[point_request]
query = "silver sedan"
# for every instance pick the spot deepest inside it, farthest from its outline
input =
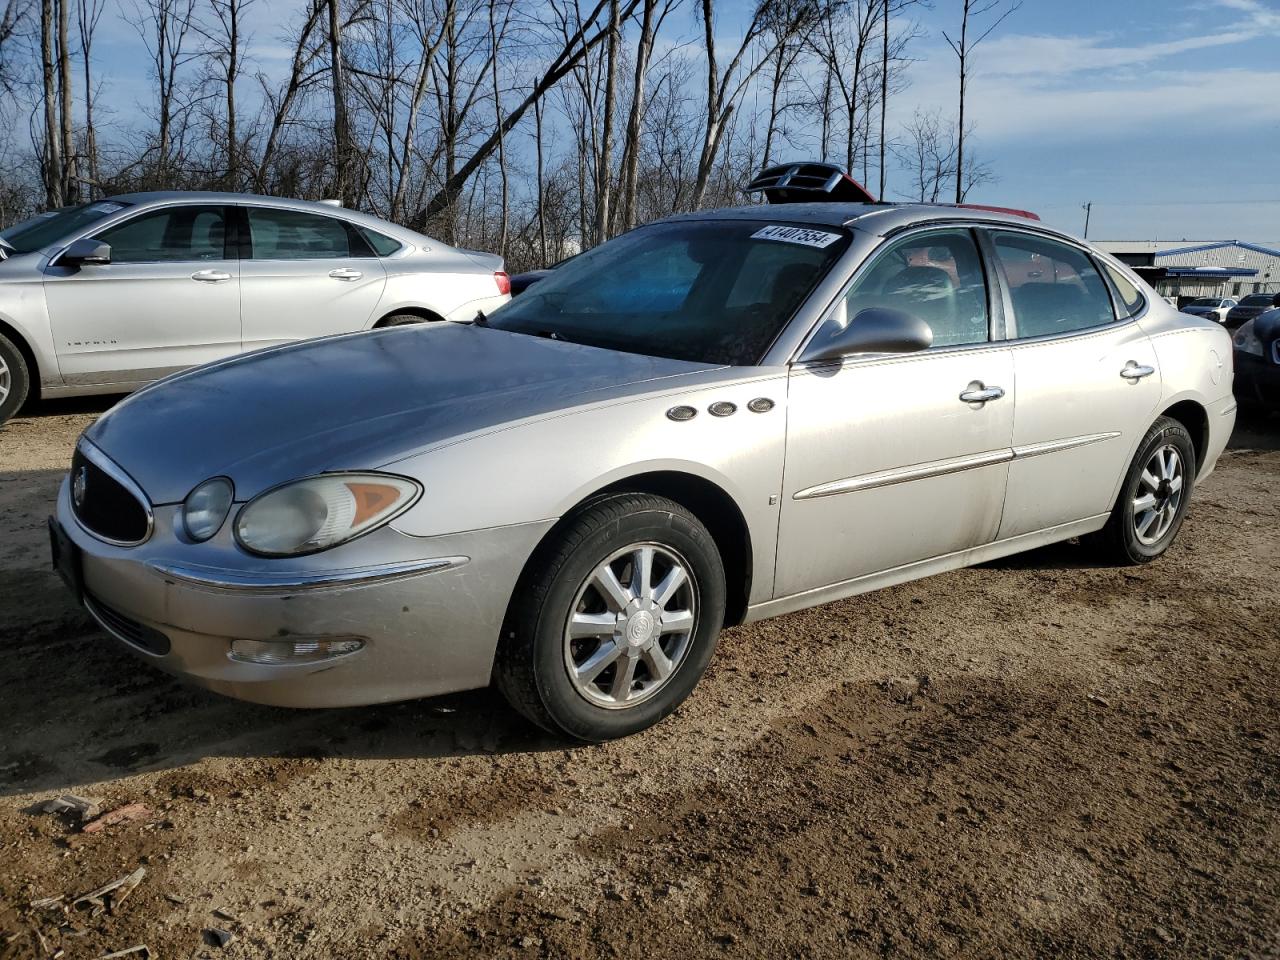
(717, 418)
(108, 296)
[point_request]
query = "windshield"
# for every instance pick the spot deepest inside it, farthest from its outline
(1205, 302)
(709, 291)
(1257, 300)
(50, 227)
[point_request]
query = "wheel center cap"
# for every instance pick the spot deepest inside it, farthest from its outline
(640, 628)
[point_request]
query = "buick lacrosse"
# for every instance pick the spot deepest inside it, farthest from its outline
(716, 418)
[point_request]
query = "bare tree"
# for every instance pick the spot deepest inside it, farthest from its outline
(226, 43)
(88, 15)
(13, 15)
(282, 103)
(998, 11)
(164, 26)
(342, 146)
(52, 166)
(928, 154)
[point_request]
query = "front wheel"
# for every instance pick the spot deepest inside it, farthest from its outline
(615, 620)
(1153, 500)
(14, 379)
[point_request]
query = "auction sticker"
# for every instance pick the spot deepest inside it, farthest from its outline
(802, 235)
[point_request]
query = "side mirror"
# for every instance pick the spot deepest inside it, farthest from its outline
(85, 250)
(873, 330)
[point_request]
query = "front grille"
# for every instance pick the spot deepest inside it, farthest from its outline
(126, 629)
(104, 505)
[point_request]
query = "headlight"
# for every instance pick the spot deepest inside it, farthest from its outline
(206, 507)
(321, 512)
(1246, 341)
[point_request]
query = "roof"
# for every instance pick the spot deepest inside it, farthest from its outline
(1207, 271)
(880, 218)
(1217, 245)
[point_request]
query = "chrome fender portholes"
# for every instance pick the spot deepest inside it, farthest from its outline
(760, 405)
(681, 413)
(722, 408)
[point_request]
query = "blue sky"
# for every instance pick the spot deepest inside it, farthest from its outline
(1164, 113)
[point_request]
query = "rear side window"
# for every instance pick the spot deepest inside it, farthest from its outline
(382, 246)
(174, 234)
(1055, 288)
(936, 276)
(1130, 296)
(290, 235)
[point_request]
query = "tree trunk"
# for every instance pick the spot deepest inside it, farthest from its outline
(542, 213)
(70, 183)
(884, 95)
(496, 40)
(52, 147)
(604, 170)
(635, 119)
(233, 69)
(341, 129)
(87, 21)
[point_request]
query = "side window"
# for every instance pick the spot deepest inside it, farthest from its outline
(175, 234)
(1054, 287)
(937, 276)
(382, 246)
(290, 235)
(1130, 296)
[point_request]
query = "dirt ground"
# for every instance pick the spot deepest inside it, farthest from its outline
(1039, 756)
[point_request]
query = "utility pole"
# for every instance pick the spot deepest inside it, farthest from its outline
(1088, 209)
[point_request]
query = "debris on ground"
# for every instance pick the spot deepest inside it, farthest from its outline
(79, 808)
(111, 895)
(217, 937)
(130, 811)
(142, 952)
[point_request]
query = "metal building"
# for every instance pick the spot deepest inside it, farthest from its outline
(1225, 268)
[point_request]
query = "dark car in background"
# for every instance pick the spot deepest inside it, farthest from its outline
(1249, 307)
(1257, 360)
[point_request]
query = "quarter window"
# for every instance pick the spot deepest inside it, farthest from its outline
(382, 246)
(289, 235)
(936, 276)
(1130, 297)
(175, 234)
(1055, 288)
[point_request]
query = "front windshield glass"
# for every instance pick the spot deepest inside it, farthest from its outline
(1257, 300)
(47, 228)
(717, 291)
(1205, 302)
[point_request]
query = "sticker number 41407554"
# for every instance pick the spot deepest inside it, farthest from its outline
(810, 238)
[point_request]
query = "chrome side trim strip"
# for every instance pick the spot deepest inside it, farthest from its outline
(265, 582)
(919, 471)
(1053, 446)
(104, 463)
(940, 468)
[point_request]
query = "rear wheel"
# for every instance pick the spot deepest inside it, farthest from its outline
(1154, 498)
(615, 620)
(15, 380)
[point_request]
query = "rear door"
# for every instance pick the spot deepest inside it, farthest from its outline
(1088, 382)
(304, 275)
(169, 299)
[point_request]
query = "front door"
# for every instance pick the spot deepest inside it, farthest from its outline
(1088, 382)
(169, 299)
(896, 459)
(306, 275)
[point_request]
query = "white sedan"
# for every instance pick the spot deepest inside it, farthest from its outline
(108, 296)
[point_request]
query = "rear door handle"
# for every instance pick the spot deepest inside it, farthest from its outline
(345, 273)
(1134, 371)
(978, 392)
(211, 276)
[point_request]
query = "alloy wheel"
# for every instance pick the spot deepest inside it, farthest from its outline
(631, 625)
(1159, 494)
(6, 381)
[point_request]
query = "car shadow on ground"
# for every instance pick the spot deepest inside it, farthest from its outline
(69, 406)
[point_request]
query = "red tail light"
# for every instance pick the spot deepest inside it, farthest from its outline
(503, 281)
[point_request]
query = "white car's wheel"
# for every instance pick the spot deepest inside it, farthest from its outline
(615, 620)
(14, 379)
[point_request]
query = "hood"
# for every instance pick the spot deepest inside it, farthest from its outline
(353, 402)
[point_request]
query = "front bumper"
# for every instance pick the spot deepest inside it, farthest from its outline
(1258, 378)
(428, 610)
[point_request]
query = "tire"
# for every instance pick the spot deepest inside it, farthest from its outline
(401, 320)
(15, 379)
(1134, 535)
(644, 636)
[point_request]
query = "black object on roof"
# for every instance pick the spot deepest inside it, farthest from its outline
(807, 182)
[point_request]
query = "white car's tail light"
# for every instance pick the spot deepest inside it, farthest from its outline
(503, 281)
(310, 515)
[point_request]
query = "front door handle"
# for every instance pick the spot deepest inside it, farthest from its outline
(211, 276)
(345, 273)
(979, 393)
(1134, 371)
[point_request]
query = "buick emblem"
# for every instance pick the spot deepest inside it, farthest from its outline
(78, 483)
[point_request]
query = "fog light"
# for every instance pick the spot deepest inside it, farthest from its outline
(293, 650)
